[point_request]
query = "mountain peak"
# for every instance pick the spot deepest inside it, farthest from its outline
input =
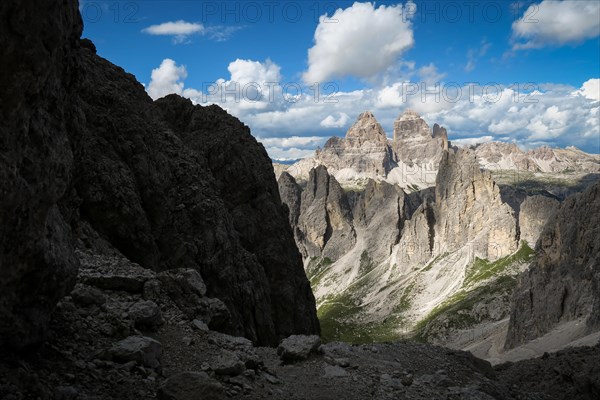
(366, 115)
(409, 115)
(366, 128)
(410, 124)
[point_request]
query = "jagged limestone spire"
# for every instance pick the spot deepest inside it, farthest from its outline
(366, 128)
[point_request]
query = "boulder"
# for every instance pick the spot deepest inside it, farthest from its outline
(298, 347)
(200, 325)
(141, 349)
(87, 296)
(145, 314)
(229, 363)
(182, 282)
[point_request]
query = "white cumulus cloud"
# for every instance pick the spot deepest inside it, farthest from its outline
(252, 85)
(590, 89)
(551, 114)
(167, 79)
(331, 122)
(430, 74)
(558, 23)
(359, 41)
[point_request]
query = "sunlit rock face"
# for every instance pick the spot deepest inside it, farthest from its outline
(414, 141)
(364, 151)
(469, 208)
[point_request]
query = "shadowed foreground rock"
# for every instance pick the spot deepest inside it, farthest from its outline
(37, 73)
(88, 160)
(96, 352)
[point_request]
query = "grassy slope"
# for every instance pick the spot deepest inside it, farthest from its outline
(343, 318)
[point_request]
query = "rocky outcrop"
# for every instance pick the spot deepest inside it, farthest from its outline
(363, 153)
(379, 214)
(563, 282)
(409, 125)
(414, 142)
(418, 237)
(87, 154)
(291, 195)
(38, 48)
(441, 133)
(565, 160)
(411, 161)
(325, 217)
(364, 150)
(469, 208)
(534, 213)
(500, 155)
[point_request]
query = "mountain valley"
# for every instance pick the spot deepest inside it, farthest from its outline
(394, 257)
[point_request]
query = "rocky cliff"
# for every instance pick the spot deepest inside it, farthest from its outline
(410, 160)
(364, 152)
(39, 42)
(381, 261)
(414, 141)
(325, 217)
(562, 283)
(90, 161)
(534, 213)
(470, 209)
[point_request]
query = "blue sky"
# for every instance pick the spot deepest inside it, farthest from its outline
(487, 70)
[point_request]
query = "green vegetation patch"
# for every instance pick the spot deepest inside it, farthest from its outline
(343, 319)
(366, 264)
(340, 321)
(316, 269)
(406, 299)
(343, 316)
(483, 269)
(457, 309)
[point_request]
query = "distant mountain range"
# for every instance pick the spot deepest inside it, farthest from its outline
(412, 158)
